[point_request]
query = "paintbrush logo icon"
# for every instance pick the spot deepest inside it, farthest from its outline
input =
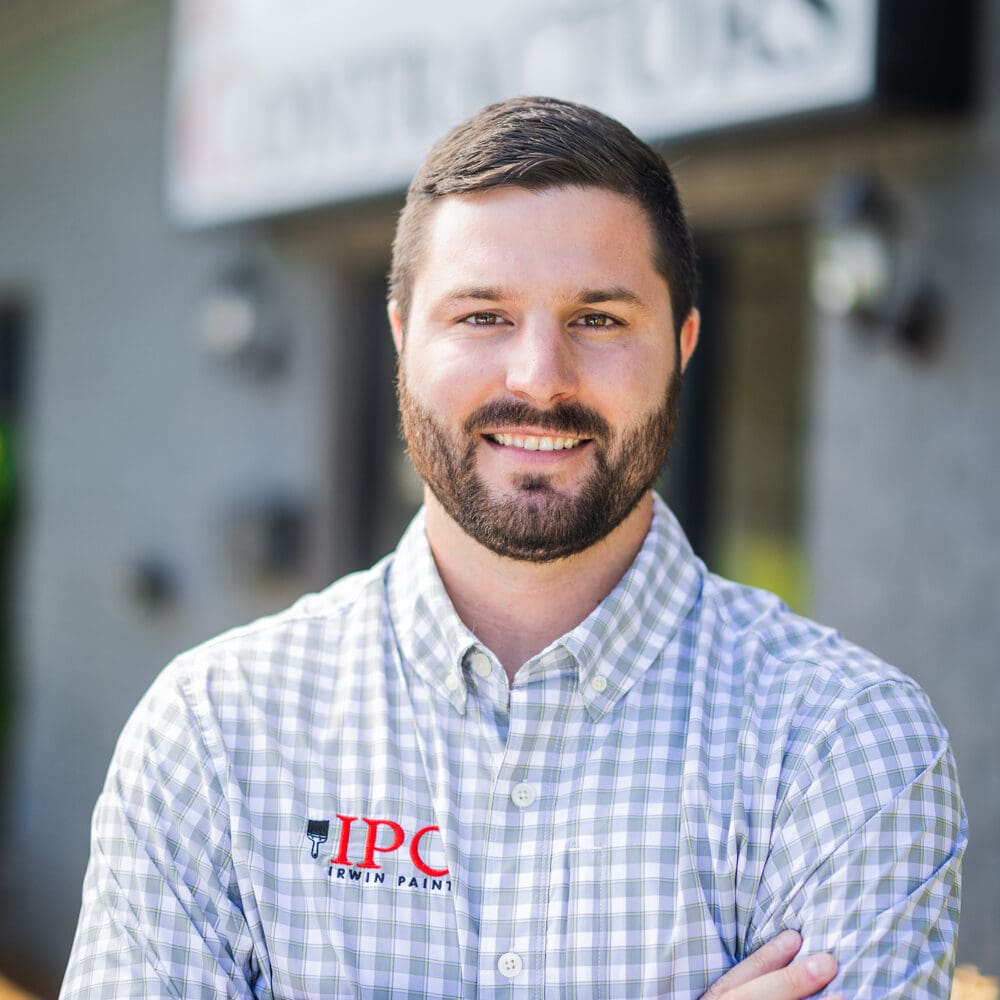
(317, 830)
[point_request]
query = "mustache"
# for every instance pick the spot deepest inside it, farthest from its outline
(574, 419)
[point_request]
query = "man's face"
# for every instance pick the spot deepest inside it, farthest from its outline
(538, 378)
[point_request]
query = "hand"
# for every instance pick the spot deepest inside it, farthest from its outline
(767, 974)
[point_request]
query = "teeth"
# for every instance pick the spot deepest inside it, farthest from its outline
(530, 443)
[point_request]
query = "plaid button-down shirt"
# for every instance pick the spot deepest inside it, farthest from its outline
(348, 800)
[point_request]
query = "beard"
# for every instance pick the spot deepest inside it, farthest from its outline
(537, 522)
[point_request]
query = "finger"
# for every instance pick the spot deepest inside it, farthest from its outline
(776, 954)
(794, 982)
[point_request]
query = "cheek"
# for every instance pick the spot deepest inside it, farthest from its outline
(450, 380)
(635, 386)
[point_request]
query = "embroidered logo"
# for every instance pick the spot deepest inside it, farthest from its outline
(317, 830)
(381, 837)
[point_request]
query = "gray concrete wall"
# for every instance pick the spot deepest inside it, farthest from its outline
(904, 460)
(136, 443)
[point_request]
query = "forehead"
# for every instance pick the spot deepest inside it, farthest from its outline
(518, 237)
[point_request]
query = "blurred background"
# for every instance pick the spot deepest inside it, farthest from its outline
(197, 418)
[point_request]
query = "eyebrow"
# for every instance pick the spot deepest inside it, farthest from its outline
(483, 292)
(586, 296)
(616, 293)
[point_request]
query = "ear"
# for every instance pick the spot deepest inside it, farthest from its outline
(396, 322)
(689, 336)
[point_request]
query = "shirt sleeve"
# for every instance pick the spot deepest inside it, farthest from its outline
(866, 850)
(162, 914)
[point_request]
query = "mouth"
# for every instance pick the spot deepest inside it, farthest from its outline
(536, 442)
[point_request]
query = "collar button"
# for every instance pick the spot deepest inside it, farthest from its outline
(481, 664)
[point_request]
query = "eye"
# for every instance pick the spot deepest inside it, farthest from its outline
(598, 321)
(482, 319)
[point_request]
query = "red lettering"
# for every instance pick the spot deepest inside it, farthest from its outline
(370, 848)
(415, 854)
(345, 837)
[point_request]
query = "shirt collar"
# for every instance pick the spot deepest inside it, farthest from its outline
(616, 643)
(611, 648)
(431, 637)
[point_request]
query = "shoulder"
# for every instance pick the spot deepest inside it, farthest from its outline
(827, 738)
(354, 596)
(768, 645)
(811, 696)
(275, 673)
(301, 632)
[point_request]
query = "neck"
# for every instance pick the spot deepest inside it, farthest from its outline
(516, 608)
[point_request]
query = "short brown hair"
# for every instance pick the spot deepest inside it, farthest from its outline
(538, 143)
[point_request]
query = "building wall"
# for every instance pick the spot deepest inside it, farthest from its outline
(905, 486)
(137, 444)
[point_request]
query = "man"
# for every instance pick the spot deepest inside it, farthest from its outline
(539, 750)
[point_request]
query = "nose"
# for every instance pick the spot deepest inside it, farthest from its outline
(541, 367)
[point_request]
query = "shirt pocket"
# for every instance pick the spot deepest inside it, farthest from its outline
(577, 941)
(620, 925)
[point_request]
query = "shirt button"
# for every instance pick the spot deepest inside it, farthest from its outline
(452, 682)
(522, 795)
(481, 665)
(599, 683)
(510, 964)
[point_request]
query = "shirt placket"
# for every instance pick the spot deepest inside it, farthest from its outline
(518, 844)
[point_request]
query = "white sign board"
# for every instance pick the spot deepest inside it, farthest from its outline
(282, 104)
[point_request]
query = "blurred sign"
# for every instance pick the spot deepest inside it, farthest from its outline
(281, 104)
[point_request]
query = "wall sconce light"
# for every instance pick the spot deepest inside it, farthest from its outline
(237, 325)
(866, 270)
(266, 536)
(152, 583)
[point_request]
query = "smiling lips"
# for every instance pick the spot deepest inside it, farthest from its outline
(532, 442)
